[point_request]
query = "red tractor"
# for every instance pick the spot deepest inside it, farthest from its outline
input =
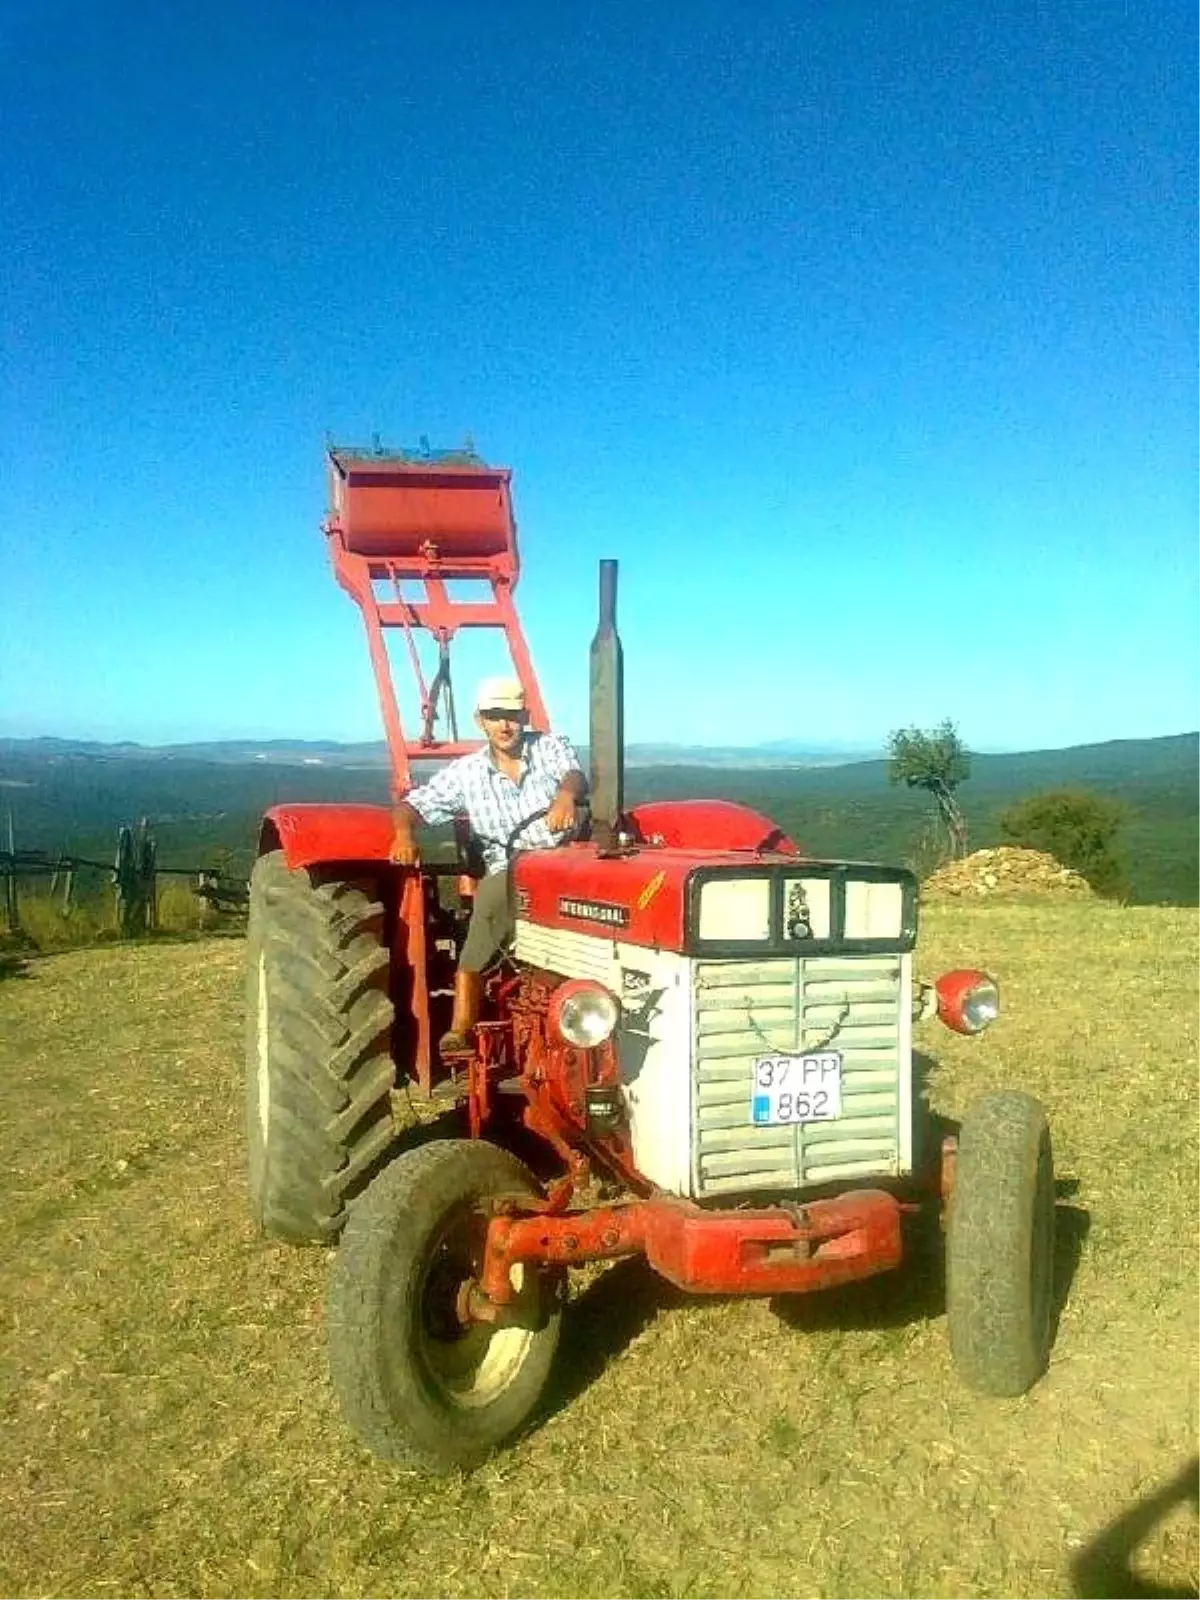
(699, 1040)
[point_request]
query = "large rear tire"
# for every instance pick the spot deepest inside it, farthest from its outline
(1000, 1245)
(416, 1383)
(319, 1070)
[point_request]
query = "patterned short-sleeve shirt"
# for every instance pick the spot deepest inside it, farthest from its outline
(493, 802)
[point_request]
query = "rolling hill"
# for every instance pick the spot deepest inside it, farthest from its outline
(67, 798)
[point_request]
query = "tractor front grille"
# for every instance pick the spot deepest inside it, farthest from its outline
(858, 1005)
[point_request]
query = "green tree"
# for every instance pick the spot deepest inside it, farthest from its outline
(937, 761)
(1077, 828)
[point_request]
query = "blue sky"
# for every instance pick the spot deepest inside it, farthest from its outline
(862, 333)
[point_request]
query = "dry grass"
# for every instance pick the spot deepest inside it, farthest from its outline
(48, 925)
(169, 1429)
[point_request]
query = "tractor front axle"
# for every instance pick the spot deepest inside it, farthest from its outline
(782, 1249)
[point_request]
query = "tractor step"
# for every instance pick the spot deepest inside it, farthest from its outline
(456, 1088)
(449, 1089)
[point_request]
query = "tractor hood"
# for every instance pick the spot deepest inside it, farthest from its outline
(718, 903)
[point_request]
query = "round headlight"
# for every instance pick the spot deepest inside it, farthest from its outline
(967, 1000)
(583, 1013)
(981, 1005)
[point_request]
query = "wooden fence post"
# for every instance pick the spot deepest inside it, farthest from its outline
(134, 874)
(12, 909)
(64, 868)
(147, 864)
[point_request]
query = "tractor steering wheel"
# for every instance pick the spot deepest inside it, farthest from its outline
(582, 816)
(536, 816)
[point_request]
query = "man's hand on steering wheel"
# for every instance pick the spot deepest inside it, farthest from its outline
(563, 813)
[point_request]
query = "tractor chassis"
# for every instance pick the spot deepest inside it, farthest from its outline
(790, 1247)
(783, 1249)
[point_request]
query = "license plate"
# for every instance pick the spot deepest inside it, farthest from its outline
(797, 1088)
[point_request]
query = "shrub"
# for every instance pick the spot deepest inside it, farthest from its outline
(1077, 828)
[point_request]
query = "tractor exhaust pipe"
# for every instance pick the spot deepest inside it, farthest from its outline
(606, 733)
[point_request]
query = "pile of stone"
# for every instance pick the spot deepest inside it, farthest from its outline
(1005, 873)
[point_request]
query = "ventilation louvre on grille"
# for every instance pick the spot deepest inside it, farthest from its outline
(745, 1009)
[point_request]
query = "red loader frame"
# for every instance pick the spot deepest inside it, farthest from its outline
(398, 519)
(401, 522)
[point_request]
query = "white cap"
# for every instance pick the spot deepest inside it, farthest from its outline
(500, 694)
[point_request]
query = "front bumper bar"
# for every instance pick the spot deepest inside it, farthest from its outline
(783, 1249)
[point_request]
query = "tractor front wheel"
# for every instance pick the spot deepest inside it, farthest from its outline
(1000, 1245)
(417, 1381)
(319, 1070)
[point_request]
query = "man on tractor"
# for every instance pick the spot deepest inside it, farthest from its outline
(521, 783)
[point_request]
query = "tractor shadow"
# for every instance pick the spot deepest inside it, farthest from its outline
(1103, 1570)
(1071, 1225)
(916, 1290)
(601, 1323)
(14, 964)
(623, 1299)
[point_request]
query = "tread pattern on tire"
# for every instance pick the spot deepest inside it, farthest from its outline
(999, 1334)
(330, 1069)
(370, 1259)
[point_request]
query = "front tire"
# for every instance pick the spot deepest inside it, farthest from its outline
(319, 1070)
(1000, 1245)
(416, 1384)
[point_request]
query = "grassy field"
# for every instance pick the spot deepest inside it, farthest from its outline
(93, 918)
(169, 1430)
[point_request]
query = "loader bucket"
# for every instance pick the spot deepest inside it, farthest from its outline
(404, 528)
(396, 509)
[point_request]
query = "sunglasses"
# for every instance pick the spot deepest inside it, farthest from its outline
(495, 714)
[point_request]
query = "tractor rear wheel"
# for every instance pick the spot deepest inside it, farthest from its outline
(417, 1383)
(318, 1062)
(1000, 1245)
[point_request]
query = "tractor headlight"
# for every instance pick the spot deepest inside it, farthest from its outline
(583, 1013)
(967, 1000)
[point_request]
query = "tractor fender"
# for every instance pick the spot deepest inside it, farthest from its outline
(709, 825)
(311, 834)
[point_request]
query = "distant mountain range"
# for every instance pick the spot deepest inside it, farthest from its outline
(206, 800)
(782, 753)
(847, 767)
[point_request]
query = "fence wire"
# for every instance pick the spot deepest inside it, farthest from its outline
(134, 876)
